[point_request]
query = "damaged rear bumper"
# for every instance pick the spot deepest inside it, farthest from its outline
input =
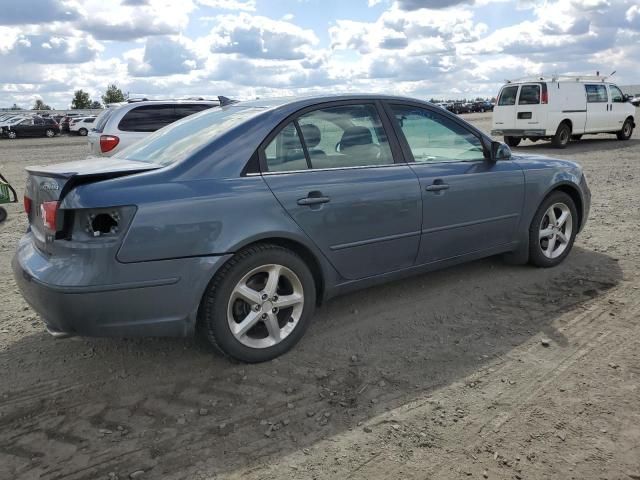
(160, 299)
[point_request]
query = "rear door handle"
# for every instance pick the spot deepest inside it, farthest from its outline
(436, 187)
(313, 198)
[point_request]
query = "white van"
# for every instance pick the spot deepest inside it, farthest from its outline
(561, 109)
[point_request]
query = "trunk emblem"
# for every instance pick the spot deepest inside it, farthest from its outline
(48, 186)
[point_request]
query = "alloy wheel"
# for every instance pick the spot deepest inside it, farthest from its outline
(555, 230)
(265, 306)
(50, 133)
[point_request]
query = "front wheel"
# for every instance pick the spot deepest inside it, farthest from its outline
(259, 304)
(512, 141)
(11, 134)
(553, 230)
(627, 130)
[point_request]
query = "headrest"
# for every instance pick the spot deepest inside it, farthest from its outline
(311, 134)
(353, 136)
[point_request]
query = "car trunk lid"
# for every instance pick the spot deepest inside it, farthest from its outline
(47, 186)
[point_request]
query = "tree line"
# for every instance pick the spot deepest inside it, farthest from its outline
(82, 100)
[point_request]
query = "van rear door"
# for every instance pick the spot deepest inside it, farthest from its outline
(504, 113)
(529, 109)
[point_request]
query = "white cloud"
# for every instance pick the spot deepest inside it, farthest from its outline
(239, 5)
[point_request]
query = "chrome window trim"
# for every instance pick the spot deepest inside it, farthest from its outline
(284, 172)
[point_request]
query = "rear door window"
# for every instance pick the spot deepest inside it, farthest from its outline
(508, 96)
(147, 118)
(596, 94)
(529, 95)
(89, 120)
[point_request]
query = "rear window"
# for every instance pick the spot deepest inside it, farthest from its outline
(529, 95)
(102, 119)
(181, 139)
(89, 120)
(508, 96)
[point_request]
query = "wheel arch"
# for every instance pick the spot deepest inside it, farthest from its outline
(573, 191)
(568, 122)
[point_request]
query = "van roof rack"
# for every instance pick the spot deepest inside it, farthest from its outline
(562, 78)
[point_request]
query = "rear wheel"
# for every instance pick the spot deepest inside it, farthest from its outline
(259, 304)
(49, 132)
(562, 136)
(83, 132)
(553, 230)
(512, 141)
(627, 130)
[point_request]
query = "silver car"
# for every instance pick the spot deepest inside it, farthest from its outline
(124, 124)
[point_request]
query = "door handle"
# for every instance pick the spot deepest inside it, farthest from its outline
(436, 187)
(313, 198)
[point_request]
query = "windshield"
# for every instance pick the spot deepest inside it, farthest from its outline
(179, 139)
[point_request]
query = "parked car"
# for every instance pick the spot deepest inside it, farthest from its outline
(238, 221)
(66, 121)
(124, 124)
(11, 119)
(459, 107)
(482, 107)
(561, 110)
(32, 127)
(81, 125)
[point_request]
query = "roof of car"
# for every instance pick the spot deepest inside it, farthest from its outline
(302, 101)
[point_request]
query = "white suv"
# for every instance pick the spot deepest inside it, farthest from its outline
(123, 124)
(561, 109)
(81, 125)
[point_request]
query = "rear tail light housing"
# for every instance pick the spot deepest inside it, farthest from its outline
(108, 143)
(48, 212)
(27, 205)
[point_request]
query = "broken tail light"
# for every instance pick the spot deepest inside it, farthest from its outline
(48, 212)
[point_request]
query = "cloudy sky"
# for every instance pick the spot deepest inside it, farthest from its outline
(248, 48)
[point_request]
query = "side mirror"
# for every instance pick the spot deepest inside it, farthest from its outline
(625, 97)
(500, 151)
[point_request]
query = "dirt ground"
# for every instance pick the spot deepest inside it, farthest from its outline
(434, 377)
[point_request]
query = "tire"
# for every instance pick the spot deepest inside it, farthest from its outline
(626, 131)
(575, 138)
(11, 134)
(49, 133)
(3, 214)
(542, 253)
(562, 136)
(83, 132)
(512, 141)
(222, 308)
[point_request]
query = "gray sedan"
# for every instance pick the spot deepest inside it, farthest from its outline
(239, 221)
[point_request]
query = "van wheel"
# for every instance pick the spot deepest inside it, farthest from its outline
(259, 304)
(575, 138)
(627, 130)
(562, 136)
(512, 141)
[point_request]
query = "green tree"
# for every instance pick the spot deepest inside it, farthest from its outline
(96, 104)
(80, 100)
(113, 95)
(40, 105)
(15, 107)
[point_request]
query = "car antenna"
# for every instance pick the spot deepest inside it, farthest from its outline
(224, 101)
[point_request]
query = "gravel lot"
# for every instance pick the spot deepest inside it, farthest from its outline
(438, 376)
